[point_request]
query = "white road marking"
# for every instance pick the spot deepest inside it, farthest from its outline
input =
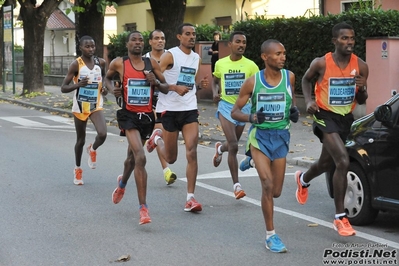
(289, 212)
(22, 121)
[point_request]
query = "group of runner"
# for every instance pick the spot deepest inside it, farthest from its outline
(157, 94)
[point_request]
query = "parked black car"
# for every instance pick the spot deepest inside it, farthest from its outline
(373, 177)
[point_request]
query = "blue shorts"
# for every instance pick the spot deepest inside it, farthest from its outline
(224, 108)
(274, 143)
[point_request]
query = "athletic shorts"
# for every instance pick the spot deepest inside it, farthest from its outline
(158, 118)
(224, 108)
(329, 122)
(175, 120)
(143, 122)
(274, 143)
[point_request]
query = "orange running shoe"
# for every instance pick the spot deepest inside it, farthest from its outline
(301, 191)
(343, 227)
(192, 206)
(217, 158)
(77, 179)
(144, 215)
(239, 193)
(118, 193)
(150, 143)
(92, 157)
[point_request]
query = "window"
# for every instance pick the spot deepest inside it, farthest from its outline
(130, 26)
(356, 5)
(224, 22)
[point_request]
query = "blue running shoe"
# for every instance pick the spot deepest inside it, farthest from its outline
(245, 163)
(274, 244)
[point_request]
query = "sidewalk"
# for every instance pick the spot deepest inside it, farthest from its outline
(304, 146)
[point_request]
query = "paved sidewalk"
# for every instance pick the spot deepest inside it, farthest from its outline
(304, 146)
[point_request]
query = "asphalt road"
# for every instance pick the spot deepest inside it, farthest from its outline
(46, 220)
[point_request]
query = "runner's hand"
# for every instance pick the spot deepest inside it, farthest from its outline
(294, 114)
(258, 118)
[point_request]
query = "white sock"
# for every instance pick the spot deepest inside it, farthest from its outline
(165, 169)
(339, 215)
(156, 139)
(189, 196)
(252, 163)
(77, 167)
(220, 149)
(236, 185)
(303, 183)
(270, 233)
(91, 148)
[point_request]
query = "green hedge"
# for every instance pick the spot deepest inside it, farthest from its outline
(307, 38)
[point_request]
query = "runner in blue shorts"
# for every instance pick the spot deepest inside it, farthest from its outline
(271, 91)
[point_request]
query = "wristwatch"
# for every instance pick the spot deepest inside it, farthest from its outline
(157, 82)
(364, 89)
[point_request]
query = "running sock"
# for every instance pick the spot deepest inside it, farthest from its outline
(270, 233)
(220, 149)
(77, 167)
(236, 185)
(156, 139)
(252, 163)
(340, 215)
(121, 184)
(303, 183)
(165, 169)
(91, 148)
(189, 196)
(141, 206)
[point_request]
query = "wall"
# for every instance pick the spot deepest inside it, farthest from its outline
(334, 6)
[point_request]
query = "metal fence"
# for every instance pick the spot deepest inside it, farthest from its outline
(55, 65)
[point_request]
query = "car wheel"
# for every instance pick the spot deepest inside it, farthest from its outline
(358, 197)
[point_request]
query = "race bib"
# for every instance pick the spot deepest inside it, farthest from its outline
(273, 105)
(186, 77)
(88, 93)
(138, 92)
(341, 91)
(233, 82)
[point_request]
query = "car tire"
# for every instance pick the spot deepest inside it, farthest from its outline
(358, 197)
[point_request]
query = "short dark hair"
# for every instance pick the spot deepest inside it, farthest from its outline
(217, 33)
(130, 34)
(180, 28)
(85, 38)
(152, 33)
(235, 33)
(340, 26)
(266, 44)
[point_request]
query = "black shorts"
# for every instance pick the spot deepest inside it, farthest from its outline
(175, 120)
(158, 118)
(329, 122)
(143, 122)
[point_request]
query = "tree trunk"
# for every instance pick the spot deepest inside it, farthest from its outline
(166, 22)
(90, 22)
(34, 20)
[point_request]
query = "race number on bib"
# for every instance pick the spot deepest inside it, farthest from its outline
(186, 77)
(138, 92)
(88, 93)
(233, 82)
(273, 105)
(341, 91)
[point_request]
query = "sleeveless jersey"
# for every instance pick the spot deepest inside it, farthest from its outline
(232, 75)
(183, 72)
(88, 99)
(137, 91)
(276, 101)
(336, 92)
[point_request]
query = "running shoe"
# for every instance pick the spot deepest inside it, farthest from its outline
(343, 227)
(150, 143)
(92, 157)
(301, 191)
(245, 163)
(274, 244)
(239, 193)
(170, 177)
(192, 206)
(217, 158)
(144, 215)
(118, 193)
(77, 179)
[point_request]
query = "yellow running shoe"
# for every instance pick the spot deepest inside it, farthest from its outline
(170, 177)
